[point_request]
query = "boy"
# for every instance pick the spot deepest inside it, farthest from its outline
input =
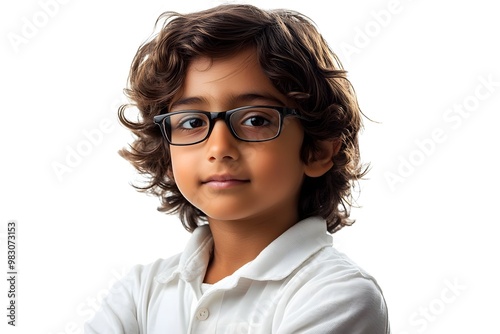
(248, 130)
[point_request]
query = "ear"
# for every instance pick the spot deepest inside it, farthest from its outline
(321, 161)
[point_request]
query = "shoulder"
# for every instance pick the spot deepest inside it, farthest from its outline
(163, 270)
(340, 295)
(333, 271)
(143, 274)
(122, 309)
(143, 278)
(336, 265)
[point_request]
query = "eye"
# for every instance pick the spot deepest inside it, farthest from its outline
(256, 120)
(190, 122)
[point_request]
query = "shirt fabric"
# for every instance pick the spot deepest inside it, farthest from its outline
(297, 284)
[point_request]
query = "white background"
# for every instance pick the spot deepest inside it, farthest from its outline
(429, 236)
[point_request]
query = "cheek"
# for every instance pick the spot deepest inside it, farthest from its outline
(286, 162)
(181, 168)
(175, 162)
(278, 168)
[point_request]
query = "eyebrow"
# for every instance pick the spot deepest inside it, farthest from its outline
(238, 99)
(187, 101)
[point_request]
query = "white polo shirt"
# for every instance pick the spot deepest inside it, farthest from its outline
(297, 284)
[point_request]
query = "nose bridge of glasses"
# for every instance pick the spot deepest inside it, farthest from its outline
(222, 116)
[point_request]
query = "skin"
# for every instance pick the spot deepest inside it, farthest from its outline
(249, 191)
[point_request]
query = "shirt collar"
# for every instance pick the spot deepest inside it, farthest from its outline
(194, 260)
(287, 252)
(278, 260)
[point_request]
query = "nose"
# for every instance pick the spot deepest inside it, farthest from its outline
(221, 144)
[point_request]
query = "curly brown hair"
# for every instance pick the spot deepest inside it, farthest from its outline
(298, 62)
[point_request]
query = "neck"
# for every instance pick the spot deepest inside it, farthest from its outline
(239, 242)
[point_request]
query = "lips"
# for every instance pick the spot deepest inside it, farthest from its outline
(224, 181)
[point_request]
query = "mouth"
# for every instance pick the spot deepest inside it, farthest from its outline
(224, 181)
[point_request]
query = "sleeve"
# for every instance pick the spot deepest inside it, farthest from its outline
(118, 311)
(352, 305)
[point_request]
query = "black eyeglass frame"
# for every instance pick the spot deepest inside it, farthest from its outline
(161, 119)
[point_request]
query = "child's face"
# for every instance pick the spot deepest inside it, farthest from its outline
(224, 177)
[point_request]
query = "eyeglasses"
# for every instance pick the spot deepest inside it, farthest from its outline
(250, 124)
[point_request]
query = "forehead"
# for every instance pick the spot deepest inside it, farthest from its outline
(227, 82)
